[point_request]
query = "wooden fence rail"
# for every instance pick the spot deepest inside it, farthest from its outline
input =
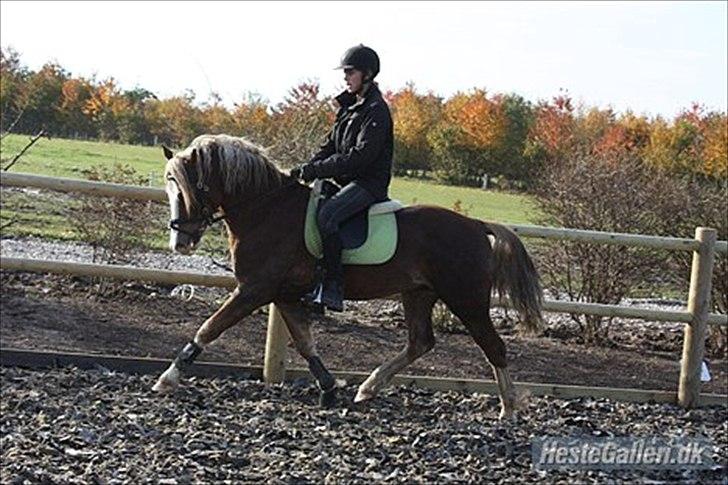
(11, 179)
(696, 318)
(225, 281)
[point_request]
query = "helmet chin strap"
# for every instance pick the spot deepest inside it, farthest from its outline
(365, 85)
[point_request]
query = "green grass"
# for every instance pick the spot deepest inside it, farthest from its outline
(481, 204)
(35, 215)
(40, 215)
(69, 158)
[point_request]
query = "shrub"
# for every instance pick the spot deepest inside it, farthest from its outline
(704, 202)
(611, 192)
(301, 124)
(115, 227)
(444, 321)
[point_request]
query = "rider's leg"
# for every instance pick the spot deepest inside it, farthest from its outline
(332, 294)
(349, 201)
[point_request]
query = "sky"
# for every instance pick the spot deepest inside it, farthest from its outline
(654, 58)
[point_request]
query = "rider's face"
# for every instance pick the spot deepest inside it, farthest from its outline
(353, 78)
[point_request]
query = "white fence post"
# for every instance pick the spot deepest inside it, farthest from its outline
(276, 342)
(688, 393)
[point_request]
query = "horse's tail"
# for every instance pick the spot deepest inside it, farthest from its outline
(515, 275)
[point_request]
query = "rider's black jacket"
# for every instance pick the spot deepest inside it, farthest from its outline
(359, 147)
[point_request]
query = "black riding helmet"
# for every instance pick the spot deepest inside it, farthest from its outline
(362, 58)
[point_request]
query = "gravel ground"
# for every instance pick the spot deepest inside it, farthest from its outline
(82, 253)
(72, 426)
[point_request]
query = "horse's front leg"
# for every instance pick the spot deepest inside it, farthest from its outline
(238, 306)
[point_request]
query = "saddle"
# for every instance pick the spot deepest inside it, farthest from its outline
(370, 237)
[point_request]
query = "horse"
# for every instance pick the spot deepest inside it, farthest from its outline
(440, 255)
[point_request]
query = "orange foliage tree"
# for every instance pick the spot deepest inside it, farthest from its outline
(252, 119)
(215, 117)
(414, 115)
(105, 107)
(715, 147)
(694, 143)
(75, 94)
(553, 133)
(175, 121)
(466, 141)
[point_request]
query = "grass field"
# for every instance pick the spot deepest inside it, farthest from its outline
(40, 214)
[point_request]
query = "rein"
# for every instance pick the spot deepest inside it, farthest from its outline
(208, 217)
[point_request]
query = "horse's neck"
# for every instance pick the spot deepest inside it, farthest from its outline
(277, 208)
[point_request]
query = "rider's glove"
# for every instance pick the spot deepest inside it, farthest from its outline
(305, 172)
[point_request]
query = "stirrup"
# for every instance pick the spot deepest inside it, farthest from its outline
(312, 300)
(331, 303)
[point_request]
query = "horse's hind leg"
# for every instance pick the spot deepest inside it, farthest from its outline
(474, 313)
(418, 316)
(296, 317)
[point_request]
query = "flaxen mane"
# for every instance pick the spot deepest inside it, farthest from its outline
(244, 167)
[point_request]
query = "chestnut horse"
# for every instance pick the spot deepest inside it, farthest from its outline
(440, 254)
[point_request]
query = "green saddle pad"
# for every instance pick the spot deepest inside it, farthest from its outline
(381, 241)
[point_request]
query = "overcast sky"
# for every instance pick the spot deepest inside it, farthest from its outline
(652, 57)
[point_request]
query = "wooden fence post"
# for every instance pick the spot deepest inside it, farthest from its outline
(701, 275)
(276, 343)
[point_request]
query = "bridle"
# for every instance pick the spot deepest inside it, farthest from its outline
(205, 219)
(208, 216)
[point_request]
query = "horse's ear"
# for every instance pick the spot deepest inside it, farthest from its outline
(168, 154)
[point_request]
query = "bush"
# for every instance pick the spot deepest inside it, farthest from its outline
(611, 192)
(444, 321)
(112, 226)
(704, 202)
(300, 125)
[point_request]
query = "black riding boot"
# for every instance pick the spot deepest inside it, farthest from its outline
(332, 294)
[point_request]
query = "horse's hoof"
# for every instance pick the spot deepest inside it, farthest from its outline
(168, 381)
(163, 387)
(363, 395)
(507, 415)
(327, 399)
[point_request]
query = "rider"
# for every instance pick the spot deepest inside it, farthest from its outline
(357, 154)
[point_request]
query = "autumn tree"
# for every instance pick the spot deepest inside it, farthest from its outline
(76, 94)
(13, 78)
(414, 116)
(215, 117)
(300, 123)
(175, 121)
(553, 133)
(40, 99)
(467, 140)
(715, 147)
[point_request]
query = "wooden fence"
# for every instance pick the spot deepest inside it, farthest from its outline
(696, 318)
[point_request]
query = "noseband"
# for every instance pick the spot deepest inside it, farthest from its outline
(206, 219)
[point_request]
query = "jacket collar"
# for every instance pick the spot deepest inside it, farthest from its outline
(348, 100)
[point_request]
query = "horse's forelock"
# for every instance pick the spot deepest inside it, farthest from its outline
(176, 169)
